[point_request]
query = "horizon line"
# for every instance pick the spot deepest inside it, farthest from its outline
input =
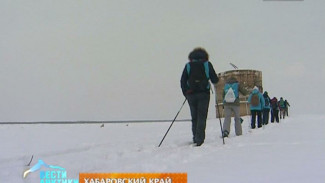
(88, 122)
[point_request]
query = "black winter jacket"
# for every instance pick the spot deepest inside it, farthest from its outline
(184, 79)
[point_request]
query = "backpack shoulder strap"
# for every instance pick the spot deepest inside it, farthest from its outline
(207, 69)
(188, 68)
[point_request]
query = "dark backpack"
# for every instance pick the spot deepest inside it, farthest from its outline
(255, 100)
(198, 76)
(274, 104)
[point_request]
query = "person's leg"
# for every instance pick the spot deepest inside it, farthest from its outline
(264, 118)
(277, 116)
(283, 113)
(238, 127)
(193, 103)
(227, 121)
(272, 115)
(259, 118)
(253, 124)
(203, 106)
(267, 116)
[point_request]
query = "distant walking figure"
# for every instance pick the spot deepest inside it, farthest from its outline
(274, 110)
(287, 105)
(267, 108)
(282, 108)
(257, 103)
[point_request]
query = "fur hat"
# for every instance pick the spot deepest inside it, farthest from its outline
(198, 54)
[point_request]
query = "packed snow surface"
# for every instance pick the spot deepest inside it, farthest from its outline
(290, 151)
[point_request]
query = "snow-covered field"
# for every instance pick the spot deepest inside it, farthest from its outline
(291, 151)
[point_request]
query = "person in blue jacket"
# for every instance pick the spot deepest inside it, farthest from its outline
(267, 108)
(257, 103)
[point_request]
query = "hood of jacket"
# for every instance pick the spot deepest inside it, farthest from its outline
(265, 95)
(232, 80)
(255, 91)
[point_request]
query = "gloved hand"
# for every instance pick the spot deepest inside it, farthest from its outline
(186, 92)
(189, 92)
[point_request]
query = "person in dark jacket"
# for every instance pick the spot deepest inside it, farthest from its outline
(197, 91)
(274, 110)
(267, 107)
(287, 105)
(282, 108)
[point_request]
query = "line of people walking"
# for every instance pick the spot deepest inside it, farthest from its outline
(268, 106)
(195, 84)
(261, 106)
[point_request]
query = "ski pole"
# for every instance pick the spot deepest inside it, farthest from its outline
(223, 138)
(172, 123)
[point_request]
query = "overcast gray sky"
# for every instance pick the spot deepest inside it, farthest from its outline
(122, 59)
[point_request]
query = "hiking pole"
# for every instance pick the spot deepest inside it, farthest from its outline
(172, 123)
(223, 138)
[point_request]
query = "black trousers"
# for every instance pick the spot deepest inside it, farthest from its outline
(199, 105)
(259, 118)
(274, 115)
(266, 113)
